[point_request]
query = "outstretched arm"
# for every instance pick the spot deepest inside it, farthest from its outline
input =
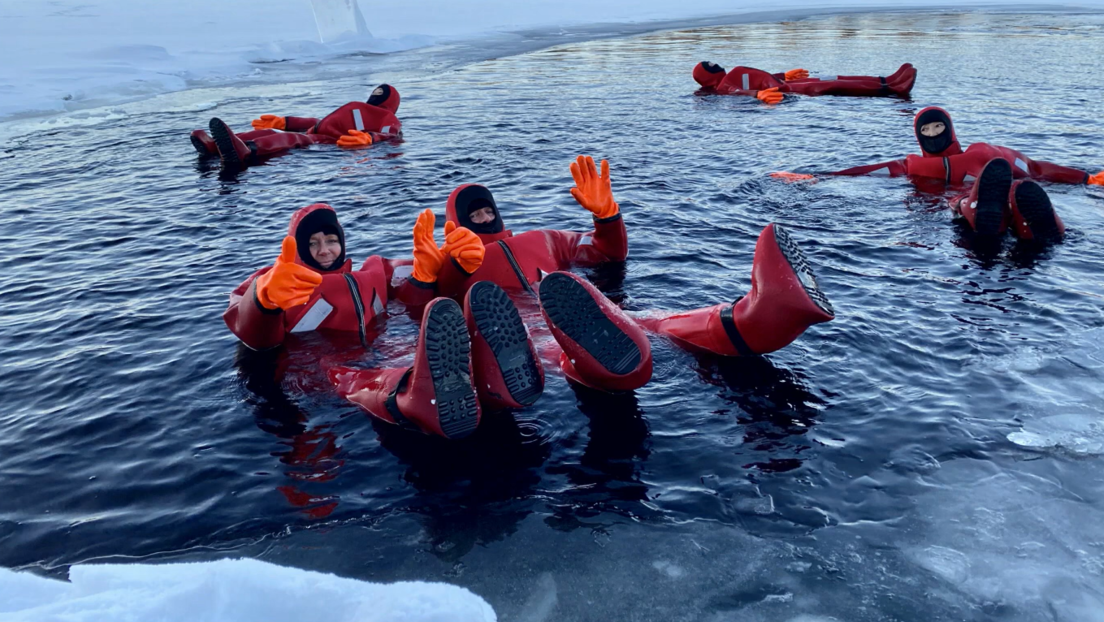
(287, 124)
(895, 168)
(609, 240)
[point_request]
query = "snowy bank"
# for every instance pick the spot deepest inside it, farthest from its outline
(240, 589)
(78, 54)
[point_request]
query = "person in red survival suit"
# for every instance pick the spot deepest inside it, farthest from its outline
(942, 157)
(356, 124)
(602, 347)
(769, 88)
(312, 286)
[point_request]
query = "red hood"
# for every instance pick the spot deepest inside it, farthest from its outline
(389, 100)
(464, 194)
(935, 113)
(304, 249)
(709, 75)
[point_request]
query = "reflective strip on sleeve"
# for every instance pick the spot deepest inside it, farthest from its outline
(747, 82)
(1023, 165)
(358, 120)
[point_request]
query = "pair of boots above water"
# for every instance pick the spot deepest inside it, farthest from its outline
(354, 125)
(473, 350)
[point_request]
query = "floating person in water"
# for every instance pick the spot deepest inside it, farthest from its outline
(601, 346)
(769, 88)
(312, 286)
(354, 125)
(943, 158)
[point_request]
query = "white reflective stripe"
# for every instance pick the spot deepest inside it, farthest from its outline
(882, 172)
(969, 178)
(540, 275)
(1020, 163)
(359, 120)
(386, 129)
(587, 240)
(377, 304)
(400, 274)
(828, 77)
(747, 82)
(311, 319)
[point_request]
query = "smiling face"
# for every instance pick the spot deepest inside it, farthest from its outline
(931, 130)
(325, 248)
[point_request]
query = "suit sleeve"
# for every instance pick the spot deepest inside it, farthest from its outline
(607, 242)
(895, 168)
(299, 124)
(1023, 166)
(257, 327)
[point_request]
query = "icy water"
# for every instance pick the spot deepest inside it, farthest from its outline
(934, 453)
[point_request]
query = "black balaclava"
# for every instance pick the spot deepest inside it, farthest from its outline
(935, 145)
(475, 198)
(377, 100)
(324, 220)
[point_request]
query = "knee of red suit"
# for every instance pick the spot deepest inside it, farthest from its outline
(709, 74)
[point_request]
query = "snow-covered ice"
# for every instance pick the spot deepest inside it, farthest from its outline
(63, 55)
(241, 590)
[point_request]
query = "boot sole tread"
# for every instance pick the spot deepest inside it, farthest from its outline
(221, 133)
(572, 310)
(448, 351)
(1035, 207)
(800, 265)
(994, 185)
(499, 323)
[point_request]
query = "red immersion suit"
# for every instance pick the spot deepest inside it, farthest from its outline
(375, 118)
(749, 81)
(346, 300)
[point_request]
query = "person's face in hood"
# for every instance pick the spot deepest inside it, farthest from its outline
(319, 238)
(473, 206)
(935, 133)
(708, 74)
(385, 96)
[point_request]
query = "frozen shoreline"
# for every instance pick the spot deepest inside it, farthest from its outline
(81, 57)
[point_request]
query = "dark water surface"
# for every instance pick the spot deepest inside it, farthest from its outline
(934, 453)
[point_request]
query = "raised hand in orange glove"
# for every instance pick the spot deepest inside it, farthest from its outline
(354, 139)
(1096, 180)
(287, 284)
(460, 243)
(464, 246)
(428, 258)
(269, 122)
(592, 190)
(792, 177)
(797, 74)
(769, 96)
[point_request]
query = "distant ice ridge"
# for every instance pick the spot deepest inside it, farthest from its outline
(241, 590)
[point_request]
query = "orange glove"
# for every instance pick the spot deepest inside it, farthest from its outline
(356, 138)
(287, 284)
(428, 259)
(796, 74)
(269, 122)
(464, 246)
(792, 177)
(592, 190)
(769, 96)
(1097, 180)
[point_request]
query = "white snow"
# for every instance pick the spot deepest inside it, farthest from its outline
(63, 55)
(242, 590)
